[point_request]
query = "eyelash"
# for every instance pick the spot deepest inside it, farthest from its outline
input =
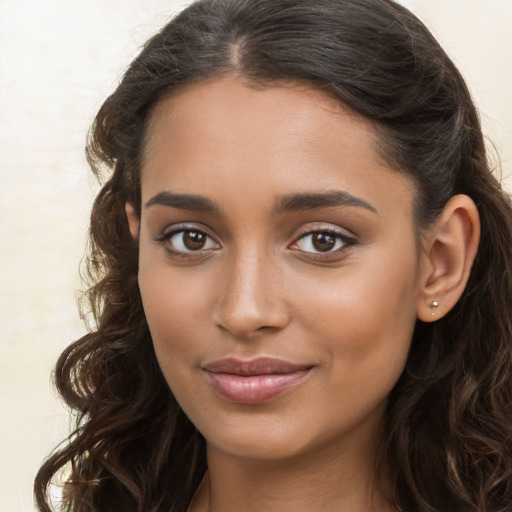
(164, 239)
(346, 242)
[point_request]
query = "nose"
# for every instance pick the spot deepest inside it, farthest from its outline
(251, 299)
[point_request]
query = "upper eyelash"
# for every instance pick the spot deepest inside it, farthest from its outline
(348, 245)
(180, 229)
(166, 235)
(343, 236)
(348, 241)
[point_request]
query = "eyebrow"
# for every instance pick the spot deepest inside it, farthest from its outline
(183, 201)
(310, 201)
(287, 204)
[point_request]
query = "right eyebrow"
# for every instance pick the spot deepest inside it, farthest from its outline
(311, 201)
(183, 202)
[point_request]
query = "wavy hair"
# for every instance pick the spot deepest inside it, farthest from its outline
(448, 428)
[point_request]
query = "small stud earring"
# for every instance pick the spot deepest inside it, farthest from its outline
(433, 305)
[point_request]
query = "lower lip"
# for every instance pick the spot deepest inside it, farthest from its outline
(254, 389)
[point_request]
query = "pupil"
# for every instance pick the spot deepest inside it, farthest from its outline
(323, 242)
(194, 240)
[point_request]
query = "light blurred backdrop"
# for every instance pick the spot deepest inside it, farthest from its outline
(58, 60)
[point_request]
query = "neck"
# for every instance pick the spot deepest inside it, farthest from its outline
(328, 480)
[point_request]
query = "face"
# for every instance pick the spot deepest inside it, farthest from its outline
(278, 267)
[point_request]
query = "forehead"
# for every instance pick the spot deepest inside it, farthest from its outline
(295, 138)
(216, 107)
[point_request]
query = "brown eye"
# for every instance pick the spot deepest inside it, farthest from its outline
(187, 241)
(194, 240)
(323, 242)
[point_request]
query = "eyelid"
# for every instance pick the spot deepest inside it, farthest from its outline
(325, 227)
(347, 243)
(183, 226)
(165, 236)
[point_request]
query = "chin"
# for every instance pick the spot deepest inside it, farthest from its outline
(270, 447)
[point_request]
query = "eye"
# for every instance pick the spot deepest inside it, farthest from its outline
(328, 242)
(322, 241)
(187, 241)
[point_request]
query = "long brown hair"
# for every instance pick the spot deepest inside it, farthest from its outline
(449, 422)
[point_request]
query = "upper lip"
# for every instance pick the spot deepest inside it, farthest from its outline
(259, 366)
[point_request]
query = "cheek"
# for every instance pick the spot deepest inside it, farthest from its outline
(169, 304)
(169, 309)
(177, 309)
(365, 318)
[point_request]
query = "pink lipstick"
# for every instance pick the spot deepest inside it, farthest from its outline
(255, 381)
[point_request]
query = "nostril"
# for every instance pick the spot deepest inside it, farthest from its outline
(266, 328)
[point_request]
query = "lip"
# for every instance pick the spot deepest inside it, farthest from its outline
(254, 381)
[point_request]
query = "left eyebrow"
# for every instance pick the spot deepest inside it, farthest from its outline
(310, 201)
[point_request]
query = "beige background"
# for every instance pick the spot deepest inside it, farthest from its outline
(58, 61)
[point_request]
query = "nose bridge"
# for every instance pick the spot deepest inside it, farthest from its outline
(251, 298)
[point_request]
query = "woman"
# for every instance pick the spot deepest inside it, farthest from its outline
(300, 275)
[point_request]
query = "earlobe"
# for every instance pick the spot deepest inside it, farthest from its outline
(133, 220)
(449, 251)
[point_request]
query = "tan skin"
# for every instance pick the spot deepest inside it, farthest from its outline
(335, 285)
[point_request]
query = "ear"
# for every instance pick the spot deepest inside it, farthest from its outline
(133, 220)
(449, 251)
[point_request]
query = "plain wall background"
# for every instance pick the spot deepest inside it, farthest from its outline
(58, 61)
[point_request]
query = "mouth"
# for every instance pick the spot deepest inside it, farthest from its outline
(254, 381)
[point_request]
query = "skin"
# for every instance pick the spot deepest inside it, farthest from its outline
(259, 286)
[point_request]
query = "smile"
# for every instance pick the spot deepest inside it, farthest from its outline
(255, 381)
